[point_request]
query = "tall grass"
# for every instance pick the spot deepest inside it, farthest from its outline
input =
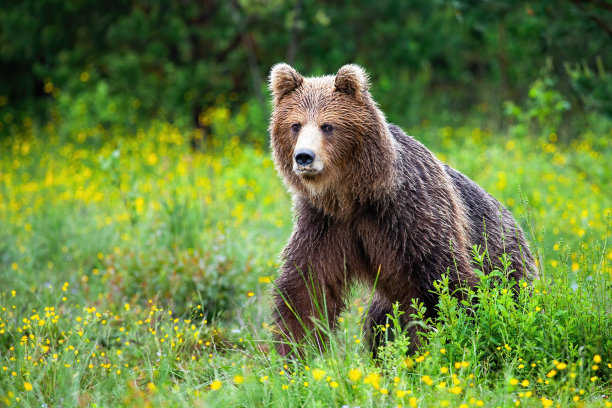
(136, 272)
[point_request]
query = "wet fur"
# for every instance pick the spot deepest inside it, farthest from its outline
(383, 202)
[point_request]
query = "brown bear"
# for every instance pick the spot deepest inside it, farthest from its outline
(371, 204)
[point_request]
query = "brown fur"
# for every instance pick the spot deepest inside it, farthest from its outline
(382, 202)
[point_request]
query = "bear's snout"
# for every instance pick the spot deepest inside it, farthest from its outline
(304, 157)
(308, 153)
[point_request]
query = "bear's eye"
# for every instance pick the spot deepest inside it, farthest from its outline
(296, 127)
(327, 128)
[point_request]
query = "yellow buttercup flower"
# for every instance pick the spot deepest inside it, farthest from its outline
(354, 375)
(317, 374)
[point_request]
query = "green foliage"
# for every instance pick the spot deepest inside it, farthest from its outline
(543, 112)
(506, 324)
(398, 341)
(114, 67)
(593, 86)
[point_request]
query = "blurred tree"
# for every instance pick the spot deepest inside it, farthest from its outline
(118, 62)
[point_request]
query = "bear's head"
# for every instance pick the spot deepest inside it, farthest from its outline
(329, 139)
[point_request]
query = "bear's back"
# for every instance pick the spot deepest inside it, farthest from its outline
(491, 225)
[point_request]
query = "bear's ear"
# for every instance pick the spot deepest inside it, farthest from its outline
(352, 80)
(283, 80)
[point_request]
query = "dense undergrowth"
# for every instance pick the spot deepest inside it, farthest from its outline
(135, 272)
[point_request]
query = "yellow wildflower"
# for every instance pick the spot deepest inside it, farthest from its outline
(354, 374)
(317, 374)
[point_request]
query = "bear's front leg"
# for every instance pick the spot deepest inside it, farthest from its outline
(302, 296)
(312, 286)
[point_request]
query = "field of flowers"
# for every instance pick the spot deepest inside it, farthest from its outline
(135, 271)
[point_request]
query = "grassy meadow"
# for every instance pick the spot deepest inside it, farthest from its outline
(137, 272)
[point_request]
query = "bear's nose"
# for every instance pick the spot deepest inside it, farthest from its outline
(304, 157)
